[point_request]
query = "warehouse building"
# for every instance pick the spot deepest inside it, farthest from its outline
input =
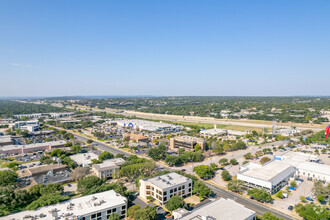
(6, 140)
(97, 206)
(162, 188)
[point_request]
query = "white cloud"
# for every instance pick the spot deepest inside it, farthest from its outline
(22, 65)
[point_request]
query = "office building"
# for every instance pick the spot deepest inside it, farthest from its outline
(187, 142)
(105, 169)
(136, 137)
(97, 206)
(151, 126)
(162, 188)
(271, 176)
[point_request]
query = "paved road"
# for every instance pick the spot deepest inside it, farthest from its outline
(257, 207)
(103, 146)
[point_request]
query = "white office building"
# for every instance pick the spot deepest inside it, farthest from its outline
(271, 176)
(151, 126)
(84, 159)
(162, 188)
(97, 206)
(221, 209)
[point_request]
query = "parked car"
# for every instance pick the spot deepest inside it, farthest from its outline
(292, 188)
(309, 199)
(290, 207)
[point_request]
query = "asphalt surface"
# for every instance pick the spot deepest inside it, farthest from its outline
(257, 207)
(102, 146)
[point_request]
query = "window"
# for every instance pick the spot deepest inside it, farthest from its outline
(189, 190)
(99, 214)
(148, 192)
(175, 189)
(123, 207)
(179, 187)
(171, 191)
(109, 211)
(83, 218)
(165, 193)
(93, 216)
(114, 210)
(183, 186)
(189, 184)
(123, 212)
(148, 187)
(165, 198)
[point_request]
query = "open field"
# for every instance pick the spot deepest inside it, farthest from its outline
(233, 124)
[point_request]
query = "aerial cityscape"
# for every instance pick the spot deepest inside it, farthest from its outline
(155, 110)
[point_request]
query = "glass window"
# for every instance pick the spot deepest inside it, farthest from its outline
(165, 193)
(99, 214)
(175, 189)
(94, 216)
(123, 207)
(114, 210)
(109, 211)
(171, 191)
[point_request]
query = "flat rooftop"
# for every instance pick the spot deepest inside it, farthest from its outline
(187, 138)
(168, 180)
(107, 164)
(221, 209)
(268, 171)
(36, 145)
(73, 208)
(85, 158)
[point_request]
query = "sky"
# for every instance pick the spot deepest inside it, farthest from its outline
(164, 47)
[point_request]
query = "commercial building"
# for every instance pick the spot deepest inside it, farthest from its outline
(6, 140)
(38, 115)
(97, 206)
(30, 148)
(187, 142)
(136, 137)
(275, 174)
(221, 209)
(271, 176)
(151, 126)
(26, 125)
(46, 174)
(84, 159)
(306, 165)
(162, 188)
(105, 169)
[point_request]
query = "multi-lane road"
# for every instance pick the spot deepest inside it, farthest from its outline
(257, 207)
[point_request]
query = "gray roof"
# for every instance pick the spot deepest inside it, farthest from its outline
(221, 209)
(168, 180)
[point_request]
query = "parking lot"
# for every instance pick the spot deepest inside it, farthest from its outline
(29, 157)
(304, 189)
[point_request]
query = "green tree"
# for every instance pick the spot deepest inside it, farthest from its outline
(213, 166)
(218, 150)
(293, 183)
(201, 189)
(269, 216)
(147, 213)
(203, 171)
(260, 195)
(248, 156)
(174, 203)
(225, 175)
(132, 210)
(8, 178)
(312, 211)
(197, 147)
(120, 156)
(88, 182)
(236, 185)
(223, 161)
(89, 141)
(114, 216)
(105, 155)
(76, 148)
(233, 162)
(279, 194)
